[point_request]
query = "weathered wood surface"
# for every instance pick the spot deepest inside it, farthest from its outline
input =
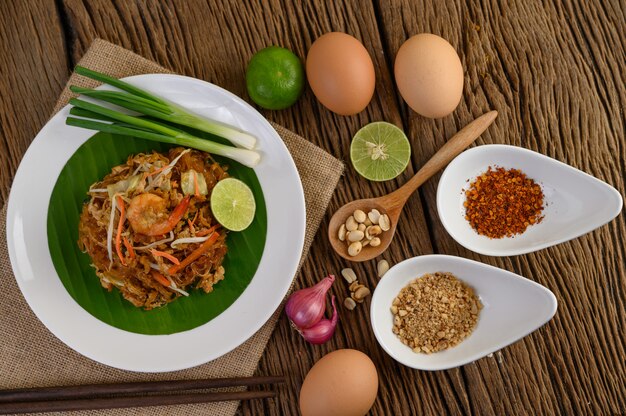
(555, 72)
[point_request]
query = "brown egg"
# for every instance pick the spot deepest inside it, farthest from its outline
(429, 75)
(342, 383)
(341, 73)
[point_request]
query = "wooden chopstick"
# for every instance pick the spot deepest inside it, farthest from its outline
(89, 397)
(129, 401)
(93, 390)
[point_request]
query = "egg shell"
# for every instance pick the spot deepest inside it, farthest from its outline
(342, 383)
(429, 75)
(341, 73)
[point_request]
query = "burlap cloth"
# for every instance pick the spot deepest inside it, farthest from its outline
(31, 356)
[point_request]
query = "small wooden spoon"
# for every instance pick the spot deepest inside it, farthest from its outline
(392, 204)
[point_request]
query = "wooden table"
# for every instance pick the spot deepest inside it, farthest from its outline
(555, 72)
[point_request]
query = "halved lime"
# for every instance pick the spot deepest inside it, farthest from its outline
(380, 151)
(275, 78)
(233, 204)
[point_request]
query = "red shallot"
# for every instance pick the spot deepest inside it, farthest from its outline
(306, 307)
(323, 330)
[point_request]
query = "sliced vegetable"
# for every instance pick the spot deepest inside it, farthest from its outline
(167, 281)
(193, 183)
(157, 243)
(161, 172)
(154, 172)
(188, 240)
(120, 225)
(110, 229)
(191, 223)
(160, 278)
(206, 231)
(157, 253)
(191, 227)
(196, 187)
(129, 247)
(194, 254)
(125, 185)
(175, 288)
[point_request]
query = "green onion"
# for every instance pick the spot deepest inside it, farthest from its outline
(137, 99)
(100, 118)
(139, 127)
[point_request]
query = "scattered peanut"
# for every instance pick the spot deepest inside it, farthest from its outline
(349, 275)
(361, 293)
(382, 267)
(349, 303)
(357, 286)
(365, 229)
(358, 291)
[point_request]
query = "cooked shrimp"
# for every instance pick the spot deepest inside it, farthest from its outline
(147, 214)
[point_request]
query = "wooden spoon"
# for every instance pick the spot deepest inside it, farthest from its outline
(392, 204)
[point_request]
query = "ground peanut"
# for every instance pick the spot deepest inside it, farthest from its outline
(435, 312)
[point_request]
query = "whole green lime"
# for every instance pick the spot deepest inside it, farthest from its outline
(275, 78)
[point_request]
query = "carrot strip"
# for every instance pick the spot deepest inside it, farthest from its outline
(157, 253)
(194, 254)
(207, 231)
(195, 184)
(160, 278)
(120, 224)
(192, 222)
(129, 247)
(193, 230)
(161, 169)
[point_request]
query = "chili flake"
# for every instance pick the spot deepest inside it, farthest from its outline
(503, 202)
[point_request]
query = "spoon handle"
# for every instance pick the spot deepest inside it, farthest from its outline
(449, 151)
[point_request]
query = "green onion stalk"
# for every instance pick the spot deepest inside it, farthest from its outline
(100, 118)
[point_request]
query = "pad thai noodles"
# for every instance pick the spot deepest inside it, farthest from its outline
(149, 230)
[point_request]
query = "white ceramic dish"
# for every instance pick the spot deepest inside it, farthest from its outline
(577, 203)
(46, 295)
(513, 307)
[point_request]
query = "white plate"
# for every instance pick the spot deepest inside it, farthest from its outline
(46, 295)
(513, 307)
(575, 202)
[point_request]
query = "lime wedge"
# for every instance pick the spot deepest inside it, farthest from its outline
(232, 203)
(380, 151)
